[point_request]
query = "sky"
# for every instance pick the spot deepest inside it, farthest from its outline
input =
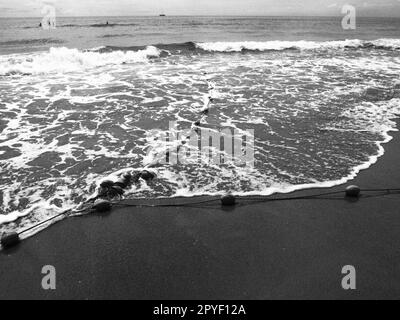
(33, 8)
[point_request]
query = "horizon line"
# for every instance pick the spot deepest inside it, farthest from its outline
(195, 15)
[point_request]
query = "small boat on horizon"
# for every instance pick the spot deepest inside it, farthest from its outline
(162, 15)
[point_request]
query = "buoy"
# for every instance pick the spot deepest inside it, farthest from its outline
(353, 191)
(146, 175)
(107, 184)
(228, 200)
(103, 192)
(9, 240)
(102, 206)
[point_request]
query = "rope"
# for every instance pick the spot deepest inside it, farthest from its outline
(254, 199)
(164, 205)
(318, 196)
(45, 221)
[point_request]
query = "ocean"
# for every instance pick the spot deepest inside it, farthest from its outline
(85, 103)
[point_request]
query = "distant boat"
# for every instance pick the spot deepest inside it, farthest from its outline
(162, 15)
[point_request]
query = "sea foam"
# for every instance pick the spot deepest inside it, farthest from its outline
(277, 45)
(58, 60)
(319, 119)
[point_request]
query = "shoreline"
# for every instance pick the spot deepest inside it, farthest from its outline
(270, 192)
(276, 250)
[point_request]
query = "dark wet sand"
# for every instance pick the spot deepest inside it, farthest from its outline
(276, 250)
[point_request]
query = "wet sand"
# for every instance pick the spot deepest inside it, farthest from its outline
(276, 250)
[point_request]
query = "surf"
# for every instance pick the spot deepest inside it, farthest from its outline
(61, 60)
(75, 118)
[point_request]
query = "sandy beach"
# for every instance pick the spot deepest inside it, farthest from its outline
(276, 250)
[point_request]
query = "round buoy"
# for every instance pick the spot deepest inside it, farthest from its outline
(103, 192)
(9, 240)
(228, 200)
(107, 184)
(147, 175)
(102, 206)
(353, 191)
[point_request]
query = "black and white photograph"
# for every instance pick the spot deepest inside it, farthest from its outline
(187, 150)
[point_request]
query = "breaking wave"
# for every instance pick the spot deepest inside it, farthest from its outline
(254, 46)
(69, 60)
(388, 44)
(58, 60)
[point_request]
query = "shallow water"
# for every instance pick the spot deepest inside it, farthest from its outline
(320, 108)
